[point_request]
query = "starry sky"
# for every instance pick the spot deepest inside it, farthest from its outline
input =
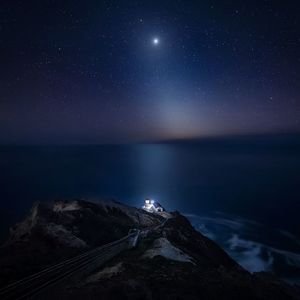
(135, 71)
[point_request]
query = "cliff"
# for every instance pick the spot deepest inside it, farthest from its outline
(172, 259)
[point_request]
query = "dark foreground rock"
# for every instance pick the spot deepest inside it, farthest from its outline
(171, 261)
(56, 231)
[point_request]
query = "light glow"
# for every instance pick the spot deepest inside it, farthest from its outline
(155, 41)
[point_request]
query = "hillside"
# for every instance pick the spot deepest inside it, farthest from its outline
(172, 259)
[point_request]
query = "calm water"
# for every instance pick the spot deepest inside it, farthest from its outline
(257, 180)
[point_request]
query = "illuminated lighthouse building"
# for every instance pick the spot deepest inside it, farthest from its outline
(152, 206)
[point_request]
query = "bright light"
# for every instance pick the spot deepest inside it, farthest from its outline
(155, 41)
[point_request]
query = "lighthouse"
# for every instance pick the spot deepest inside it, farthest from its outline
(151, 205)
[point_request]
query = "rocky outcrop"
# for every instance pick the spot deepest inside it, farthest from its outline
(59, 230)
(175, 261)
(67, 222)
(171, 261)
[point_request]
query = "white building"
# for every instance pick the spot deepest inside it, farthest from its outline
(152, 206)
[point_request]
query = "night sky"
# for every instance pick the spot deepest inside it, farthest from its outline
(135, 71)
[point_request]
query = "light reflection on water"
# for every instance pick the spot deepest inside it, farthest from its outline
(258, 183)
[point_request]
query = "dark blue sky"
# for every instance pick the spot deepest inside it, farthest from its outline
(89, 72)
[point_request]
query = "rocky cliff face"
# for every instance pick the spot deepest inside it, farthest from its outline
(62, 229)
(172, 260)
(80, 223)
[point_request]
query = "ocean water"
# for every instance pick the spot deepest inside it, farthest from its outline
(252, 244)
(255, 179)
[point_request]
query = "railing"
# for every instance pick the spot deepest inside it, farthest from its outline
(67, 270)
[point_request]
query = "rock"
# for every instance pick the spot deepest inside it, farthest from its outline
(56, 231)
(171, 261)
(162, 247)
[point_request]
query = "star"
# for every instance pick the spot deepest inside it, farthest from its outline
(155, 41)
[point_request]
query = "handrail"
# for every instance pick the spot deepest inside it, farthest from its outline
(64, 269)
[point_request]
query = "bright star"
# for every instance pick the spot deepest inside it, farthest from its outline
(155, 41)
